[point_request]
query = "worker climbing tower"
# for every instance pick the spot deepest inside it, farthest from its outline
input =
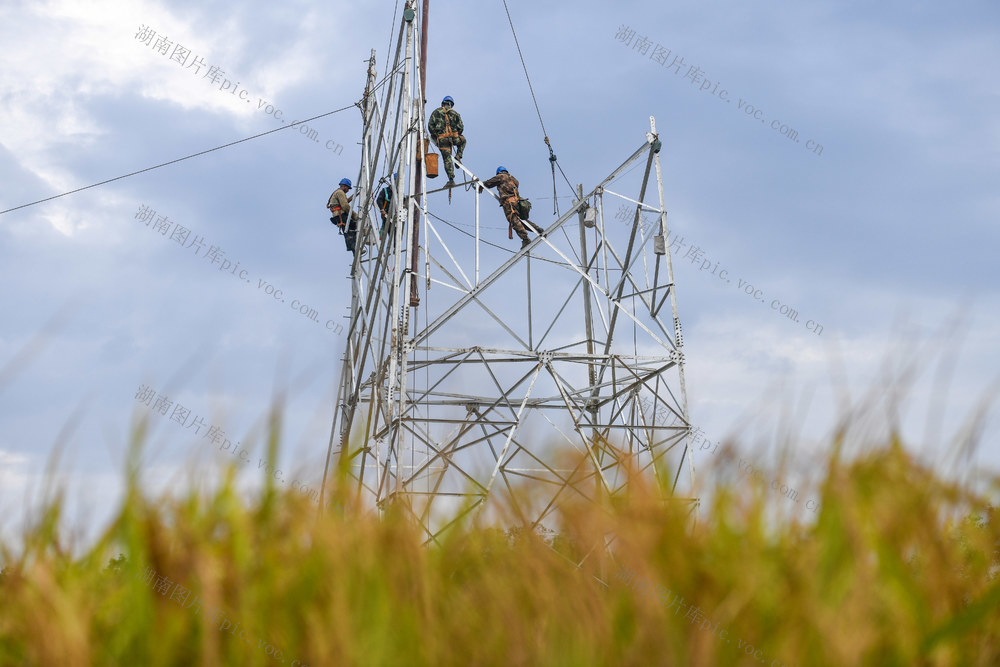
(473, 366)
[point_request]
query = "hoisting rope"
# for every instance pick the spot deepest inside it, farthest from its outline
(552, 161)
(552, 155)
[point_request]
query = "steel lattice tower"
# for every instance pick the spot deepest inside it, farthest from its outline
(470, 364)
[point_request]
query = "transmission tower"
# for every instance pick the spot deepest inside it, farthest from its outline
(472, 365)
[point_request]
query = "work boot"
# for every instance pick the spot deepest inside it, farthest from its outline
(524, 243)
(451, 183)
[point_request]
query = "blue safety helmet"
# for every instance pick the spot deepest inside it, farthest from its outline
(345, 181)
(502, 168)
(448, 100)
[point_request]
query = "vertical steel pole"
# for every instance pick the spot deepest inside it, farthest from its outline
(345, 410)
(414, 297)
(589, 328)
(678, 337)
(477, 238)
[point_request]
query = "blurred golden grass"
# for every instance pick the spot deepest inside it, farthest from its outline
(900, 567)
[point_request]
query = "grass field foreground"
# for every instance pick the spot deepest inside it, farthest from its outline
(899, 567)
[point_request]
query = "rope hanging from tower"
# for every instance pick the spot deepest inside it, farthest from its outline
(552, 155)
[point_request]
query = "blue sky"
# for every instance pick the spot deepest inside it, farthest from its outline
(886, 237)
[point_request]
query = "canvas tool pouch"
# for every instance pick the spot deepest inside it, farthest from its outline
(523, 209)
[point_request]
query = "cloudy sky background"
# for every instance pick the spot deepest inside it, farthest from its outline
(887, 238)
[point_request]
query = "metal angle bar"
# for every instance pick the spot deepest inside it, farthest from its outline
(627, 275)
(430, 226)
(556, 318)
(513, 429)
(629, 259)
(545, 467)
(577, 257)
(447, 526)
(616, 394)
(621, 426)
(496, 382)
(515, 500)
(453, 494)
(521, 355)
(641, 380)
(548, 403)
(526, 474)
(527, 284)
(603, 245)
(406, 156)
(443, 454)
(518, 356)
(642, 251)
(572, 443)
(571, 484)
(635, 156)
(673, 301)
(477, 237)
(457, 283)
(588, 316)
(576, 423)
(599, 292)
(667, 289)
(619, 307)
(628, 254)
(559, 352)
(501, 428)
(429, 390)
(500, 321)
(444, 284)
(515, 385)
(648, 304)
(640, 204)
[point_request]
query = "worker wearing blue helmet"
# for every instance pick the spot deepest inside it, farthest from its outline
(446, 128)
(515, 208)
(340, 206)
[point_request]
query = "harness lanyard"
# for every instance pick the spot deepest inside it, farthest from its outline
(448, 132)
(516, 196)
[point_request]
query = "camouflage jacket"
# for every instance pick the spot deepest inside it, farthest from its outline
(442, 117)
(338, 198)
(505, 184)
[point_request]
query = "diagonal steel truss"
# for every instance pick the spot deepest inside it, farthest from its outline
(521, 353)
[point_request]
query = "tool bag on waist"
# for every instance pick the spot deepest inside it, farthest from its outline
(523, 209)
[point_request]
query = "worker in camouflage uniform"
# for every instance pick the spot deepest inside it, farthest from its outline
(445, 126)
(384, 203)
(340, 207)
(506, 186)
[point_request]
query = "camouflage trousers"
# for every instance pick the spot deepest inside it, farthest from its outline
(445, 144)
(510, 210)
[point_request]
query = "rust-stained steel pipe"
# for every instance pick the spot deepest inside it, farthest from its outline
(414, 297)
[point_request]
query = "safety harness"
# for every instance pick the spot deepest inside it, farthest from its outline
(448, 133)
(337, 215)
(512, 200)
(386, 200)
